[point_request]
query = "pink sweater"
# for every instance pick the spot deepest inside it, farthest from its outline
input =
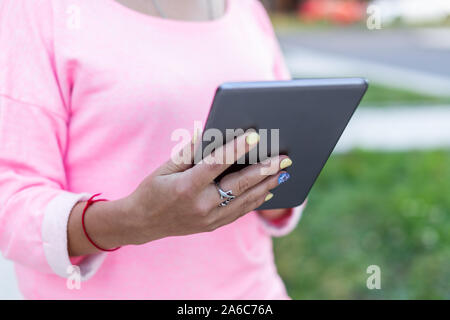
(90, 92)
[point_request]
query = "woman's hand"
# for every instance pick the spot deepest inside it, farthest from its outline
(180, 198)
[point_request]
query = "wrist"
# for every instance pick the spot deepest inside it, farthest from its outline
(103, 224)
(109, 224)
(115, 216)
(137, 227)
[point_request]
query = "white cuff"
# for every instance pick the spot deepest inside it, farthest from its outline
(54, 236)
(291, 223)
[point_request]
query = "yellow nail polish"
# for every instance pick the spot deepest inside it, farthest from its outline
(268, 197)
(252, 138)
(285, 163)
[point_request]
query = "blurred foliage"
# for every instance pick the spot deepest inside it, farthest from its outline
(289, 22)
(428, 24)
(385, 209)
(379, 95)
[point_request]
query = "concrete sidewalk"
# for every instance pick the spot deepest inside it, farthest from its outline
(409, 58)
(305, 63)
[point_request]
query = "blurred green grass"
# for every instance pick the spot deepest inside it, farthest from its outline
(382, 96)
(385, 209)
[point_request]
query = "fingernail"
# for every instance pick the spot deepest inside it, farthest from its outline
(268, 197)
(283, 177)
(252, 138)
(285, 163)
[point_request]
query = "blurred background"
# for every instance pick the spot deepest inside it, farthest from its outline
(384, 196)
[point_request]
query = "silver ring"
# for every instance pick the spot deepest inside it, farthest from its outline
(226, 196)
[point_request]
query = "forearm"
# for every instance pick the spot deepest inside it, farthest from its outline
(106, 223)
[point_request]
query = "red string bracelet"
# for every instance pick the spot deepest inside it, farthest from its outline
(88, 204)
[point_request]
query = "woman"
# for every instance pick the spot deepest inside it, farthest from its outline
(90, 93)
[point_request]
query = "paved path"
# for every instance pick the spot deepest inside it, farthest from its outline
(398, 128)
(305, 62)
(413, 58)
(421, 49)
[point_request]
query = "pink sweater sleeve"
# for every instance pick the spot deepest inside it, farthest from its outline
(34, 206)
(281, 72)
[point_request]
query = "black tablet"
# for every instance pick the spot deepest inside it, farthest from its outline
(301, 118)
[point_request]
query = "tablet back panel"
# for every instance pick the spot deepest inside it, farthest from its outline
(311, 115)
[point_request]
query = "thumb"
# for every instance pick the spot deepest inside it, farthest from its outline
(182, 160)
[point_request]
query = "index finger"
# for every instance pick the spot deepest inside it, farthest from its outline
(222, 158)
